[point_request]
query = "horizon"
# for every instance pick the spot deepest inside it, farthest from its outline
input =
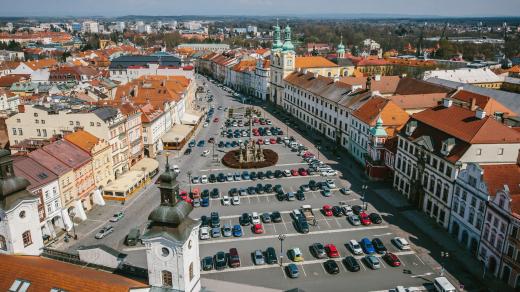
(262, 8)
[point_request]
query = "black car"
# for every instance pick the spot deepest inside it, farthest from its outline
(269, 174)
(251, 190)
(278, 189)
(214, 220)
(204, 221)
(278, 173)
(220, 260)
(261, 175)
(205, 194)
(280, 196)
(187, 152)
(357, 209)
(313, 185)
(207, 263)
(352, 264)
(253, 175)
(276, 217)
(244, 219)
(300, 196)
(212, 178)
(221, 144)
(268, 188)
(215, 194)
(302, 225)
(375, 218)
(259, 189)
(233, 192)
(221, 177)
(270, 256)
(378, 245)
(336, 211)
(331, 266)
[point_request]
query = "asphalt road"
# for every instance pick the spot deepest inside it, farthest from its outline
(336, 230)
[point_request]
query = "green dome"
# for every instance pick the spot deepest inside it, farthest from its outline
(287, 45)
(341, 46)
(277, 43)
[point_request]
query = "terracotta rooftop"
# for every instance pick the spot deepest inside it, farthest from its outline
(45, 274)
(49, 162)
(498, 175)
(390, 113)
(488, 104)
(40, 64)
(313, 62)
(67, 153)
(8, 80)
(461, 123)
(35, 173)
(417, 101)
(82, 139)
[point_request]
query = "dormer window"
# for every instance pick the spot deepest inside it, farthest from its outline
(410, 127)
(447, 146)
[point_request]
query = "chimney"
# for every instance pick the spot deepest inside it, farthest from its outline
(480, 114)
(21, 108)
(446, 102)
(460, 88)
(473, 105)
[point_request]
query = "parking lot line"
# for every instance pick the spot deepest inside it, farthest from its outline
(419, 259)
(303, 270)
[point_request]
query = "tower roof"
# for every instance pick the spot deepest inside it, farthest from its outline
(13, 189)
(341, 47)
(277, 43)
(287, 45)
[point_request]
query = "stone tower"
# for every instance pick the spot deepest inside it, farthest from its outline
(283, 60)
(20, 231)
(172, 242)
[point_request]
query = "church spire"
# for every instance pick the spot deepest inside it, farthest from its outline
(341, 49)
(287, 45)
(277, 43)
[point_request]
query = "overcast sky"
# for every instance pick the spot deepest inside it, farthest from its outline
(257, 7)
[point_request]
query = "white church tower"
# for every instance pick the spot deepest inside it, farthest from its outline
(283, 59)
(172, 242)
(20, 231)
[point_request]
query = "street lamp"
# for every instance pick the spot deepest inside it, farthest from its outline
(363, 191)
(189, 178)
(281, 237)
(445, 255)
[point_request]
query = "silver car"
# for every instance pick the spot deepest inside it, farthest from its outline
(215, 232)
(373, 262)
(227, 230)
(354, 220)
(259, 257)
(104, 232)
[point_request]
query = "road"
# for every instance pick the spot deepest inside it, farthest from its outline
(336, 230)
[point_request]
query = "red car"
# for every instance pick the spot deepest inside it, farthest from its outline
(332, 251)
(215, 120)
(256, 133)
(327, 210)
(294, 172)
(303, 172)
(307, 154)
(258, 229)
(260, 142)
(392, 259)
(272, 141)
(365, 220)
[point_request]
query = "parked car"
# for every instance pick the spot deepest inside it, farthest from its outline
(234, 258)
(332, 251)
(378, 245)
(117, 216)
(220, 260)
(258, 229)
(255, 218)
(237, 230)
(204, 233)
(245, 219)
(375, 218)
(276, 217)
(105, 231)
(292, 271)
(258, 257)
(318, 250)
(207, 263)
(365, 220)
(367, 246)
(331, 267)
(354, 246)
(266, 217)
(133, 237)
(226, 200)
(401, 243)
(352, 264)
(327, 210)
(392, 259)
(372, 262)
(215, 232)
(227, 231)
(295, 255)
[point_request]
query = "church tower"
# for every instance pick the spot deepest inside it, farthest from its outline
(282, 63)
(172, 242)
(341, 50)
(20, 231)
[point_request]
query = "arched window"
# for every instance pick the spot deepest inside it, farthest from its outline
(191, 271)
(167, 278)
(3, 243)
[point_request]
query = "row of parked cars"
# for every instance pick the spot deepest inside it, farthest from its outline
(246, 175)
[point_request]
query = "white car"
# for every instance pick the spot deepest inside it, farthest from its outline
(195, 180)
(255, 218)
(355, 247)
(401, 243)
(205, 153)
(329, 172)
(204, 179)
(176, 169)
(206, 125)
(204, 233)
(226, 201)
(287, 173)
(296, 213)
(354, 220)
(267, 142)
(235, 200)
(330, 183)
(229, 177)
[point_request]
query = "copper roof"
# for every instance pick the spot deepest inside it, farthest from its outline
(45, 274)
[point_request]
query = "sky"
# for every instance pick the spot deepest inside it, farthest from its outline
(58, 8)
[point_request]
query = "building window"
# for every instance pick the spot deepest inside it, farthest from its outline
(71, 123)
(92, 124)
(20, 132)
(36, 121)
(38, 132)
(14, 131)
(191, 271)
(479, 152)
(27, 240)
(167, 278)
(514, 231)
(500, 151)
(3, 243)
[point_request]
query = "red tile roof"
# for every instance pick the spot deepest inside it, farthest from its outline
(488, 104)
(313, 62)
(462, 124)
(390, 113)
(498, 175)
(45, 274)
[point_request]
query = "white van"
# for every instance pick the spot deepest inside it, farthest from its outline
(443, 285)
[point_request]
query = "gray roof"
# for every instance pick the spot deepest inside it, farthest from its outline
(106, 249)
(105, 113)
(124, 62)
(509, 99)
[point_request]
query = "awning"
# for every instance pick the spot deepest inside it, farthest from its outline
(148, 165)
(125, 183)
(177, 133)
(190, 118)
